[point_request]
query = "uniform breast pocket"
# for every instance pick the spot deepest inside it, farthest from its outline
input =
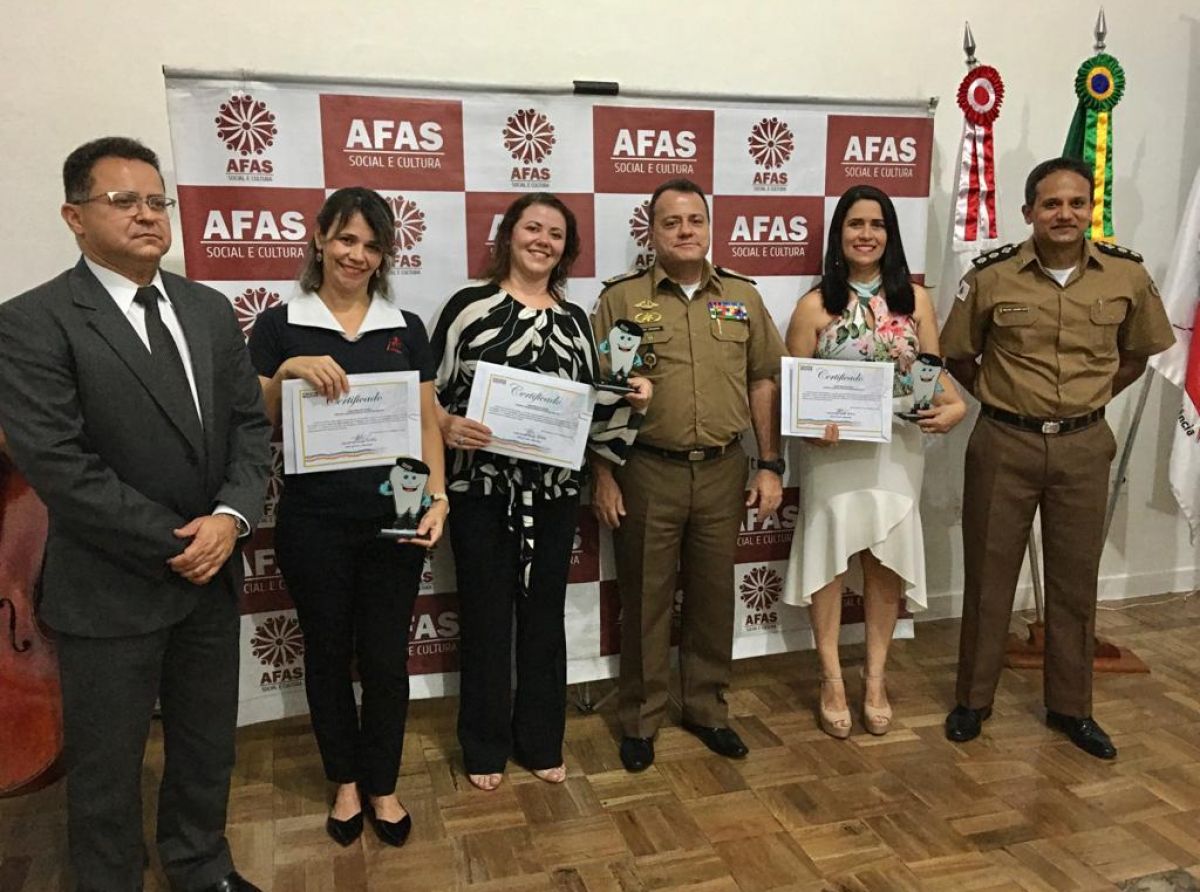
(1106, 316)
(730, 331)
(1013, 327)
(655, 344)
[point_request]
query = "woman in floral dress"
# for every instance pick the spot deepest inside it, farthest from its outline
(862, 500)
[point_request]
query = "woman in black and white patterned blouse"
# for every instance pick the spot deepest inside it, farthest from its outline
(514, 520)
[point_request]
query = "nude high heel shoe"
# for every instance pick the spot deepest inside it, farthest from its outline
(834, 722)
(878, 721)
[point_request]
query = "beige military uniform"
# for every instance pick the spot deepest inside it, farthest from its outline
(1048, 356)
(683, 510)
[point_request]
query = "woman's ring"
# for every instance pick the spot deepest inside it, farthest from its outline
(460, 440)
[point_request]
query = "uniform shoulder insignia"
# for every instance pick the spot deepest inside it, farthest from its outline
(721, 271)
(987, 258)
(626, 276)
(1117, 251)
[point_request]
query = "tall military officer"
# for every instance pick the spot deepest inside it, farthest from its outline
(713, 353)
(1060, 326)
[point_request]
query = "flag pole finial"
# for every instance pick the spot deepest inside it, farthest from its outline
(969, 44)
(1101, 30)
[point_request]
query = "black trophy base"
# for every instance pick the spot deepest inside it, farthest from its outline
(908, 416)
(615, 388)
(397, 533)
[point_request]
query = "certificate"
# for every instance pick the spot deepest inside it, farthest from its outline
(378, 421)
(542, 418)
(856, 396)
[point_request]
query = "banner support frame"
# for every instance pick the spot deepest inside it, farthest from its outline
(928, 104)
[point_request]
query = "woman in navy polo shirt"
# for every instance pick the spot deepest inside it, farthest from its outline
(353, 591)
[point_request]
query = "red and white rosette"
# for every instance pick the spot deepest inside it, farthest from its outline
(979, 97)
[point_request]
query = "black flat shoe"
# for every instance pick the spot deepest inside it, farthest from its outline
(637, 753)
(392, 833)
(233, 882)
(964, 723)
(1084, 733)
(722, 741)
(344, 832)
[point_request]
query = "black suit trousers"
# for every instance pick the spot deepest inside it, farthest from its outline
(493, 723)
(354, 594)
(109, 689)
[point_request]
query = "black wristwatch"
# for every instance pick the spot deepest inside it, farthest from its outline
(778, 465)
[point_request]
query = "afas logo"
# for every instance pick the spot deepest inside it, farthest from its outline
(529, 138)
(759, 591)
(635, 149)
(247, 128)
(278, 644)
(387, 143)
(410, 230)
(768, 236)
(433, 635)
(890, 153)
(769, 538)
(250, 304)
(771, 144)
(246, 233)
(639, 231)
(485, 210)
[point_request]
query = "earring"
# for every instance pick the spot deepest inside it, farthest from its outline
(320, 256)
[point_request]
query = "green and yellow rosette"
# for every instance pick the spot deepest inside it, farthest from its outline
(1099, 84)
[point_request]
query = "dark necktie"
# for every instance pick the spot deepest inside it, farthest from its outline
(169, 373)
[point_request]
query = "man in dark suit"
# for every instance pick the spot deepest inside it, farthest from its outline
(131, 406)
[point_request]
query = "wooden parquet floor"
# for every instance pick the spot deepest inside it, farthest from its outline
(1019, 808)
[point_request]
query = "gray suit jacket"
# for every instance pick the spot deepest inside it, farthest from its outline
(86, 425)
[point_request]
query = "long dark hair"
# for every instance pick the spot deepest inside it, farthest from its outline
(501, 263)
(897, 284)
(337, 211)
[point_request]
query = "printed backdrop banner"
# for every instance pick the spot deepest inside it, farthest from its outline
(254, 160)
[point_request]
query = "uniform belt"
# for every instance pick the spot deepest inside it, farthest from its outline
(1043, 425)
(700, 453)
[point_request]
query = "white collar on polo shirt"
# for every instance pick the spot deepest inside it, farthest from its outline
(309, 310)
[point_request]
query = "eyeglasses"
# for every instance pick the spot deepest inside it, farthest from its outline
(127, 201)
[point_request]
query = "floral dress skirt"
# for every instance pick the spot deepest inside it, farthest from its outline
(862, 496)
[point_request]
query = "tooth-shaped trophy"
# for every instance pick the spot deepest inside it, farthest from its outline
(406, 486)
(621, 347)
(925, 373)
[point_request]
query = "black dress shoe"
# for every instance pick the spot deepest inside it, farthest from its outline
(722, 741)
(344, 832)
(393, 833)
(234, 882)
(637, 753)
(964, 723)
(1084, 733)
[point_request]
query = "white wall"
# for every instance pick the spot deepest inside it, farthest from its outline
(76, 70)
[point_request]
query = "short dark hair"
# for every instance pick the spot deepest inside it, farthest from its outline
(893, 265)
(501, 263)
(679, 184)
(77, 169)
(1054, 165)
(336, 212)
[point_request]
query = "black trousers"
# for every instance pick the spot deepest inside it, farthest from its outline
(354, 595)
(109, 687)
(493, 723)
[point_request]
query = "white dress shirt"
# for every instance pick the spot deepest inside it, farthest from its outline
(122, 291)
